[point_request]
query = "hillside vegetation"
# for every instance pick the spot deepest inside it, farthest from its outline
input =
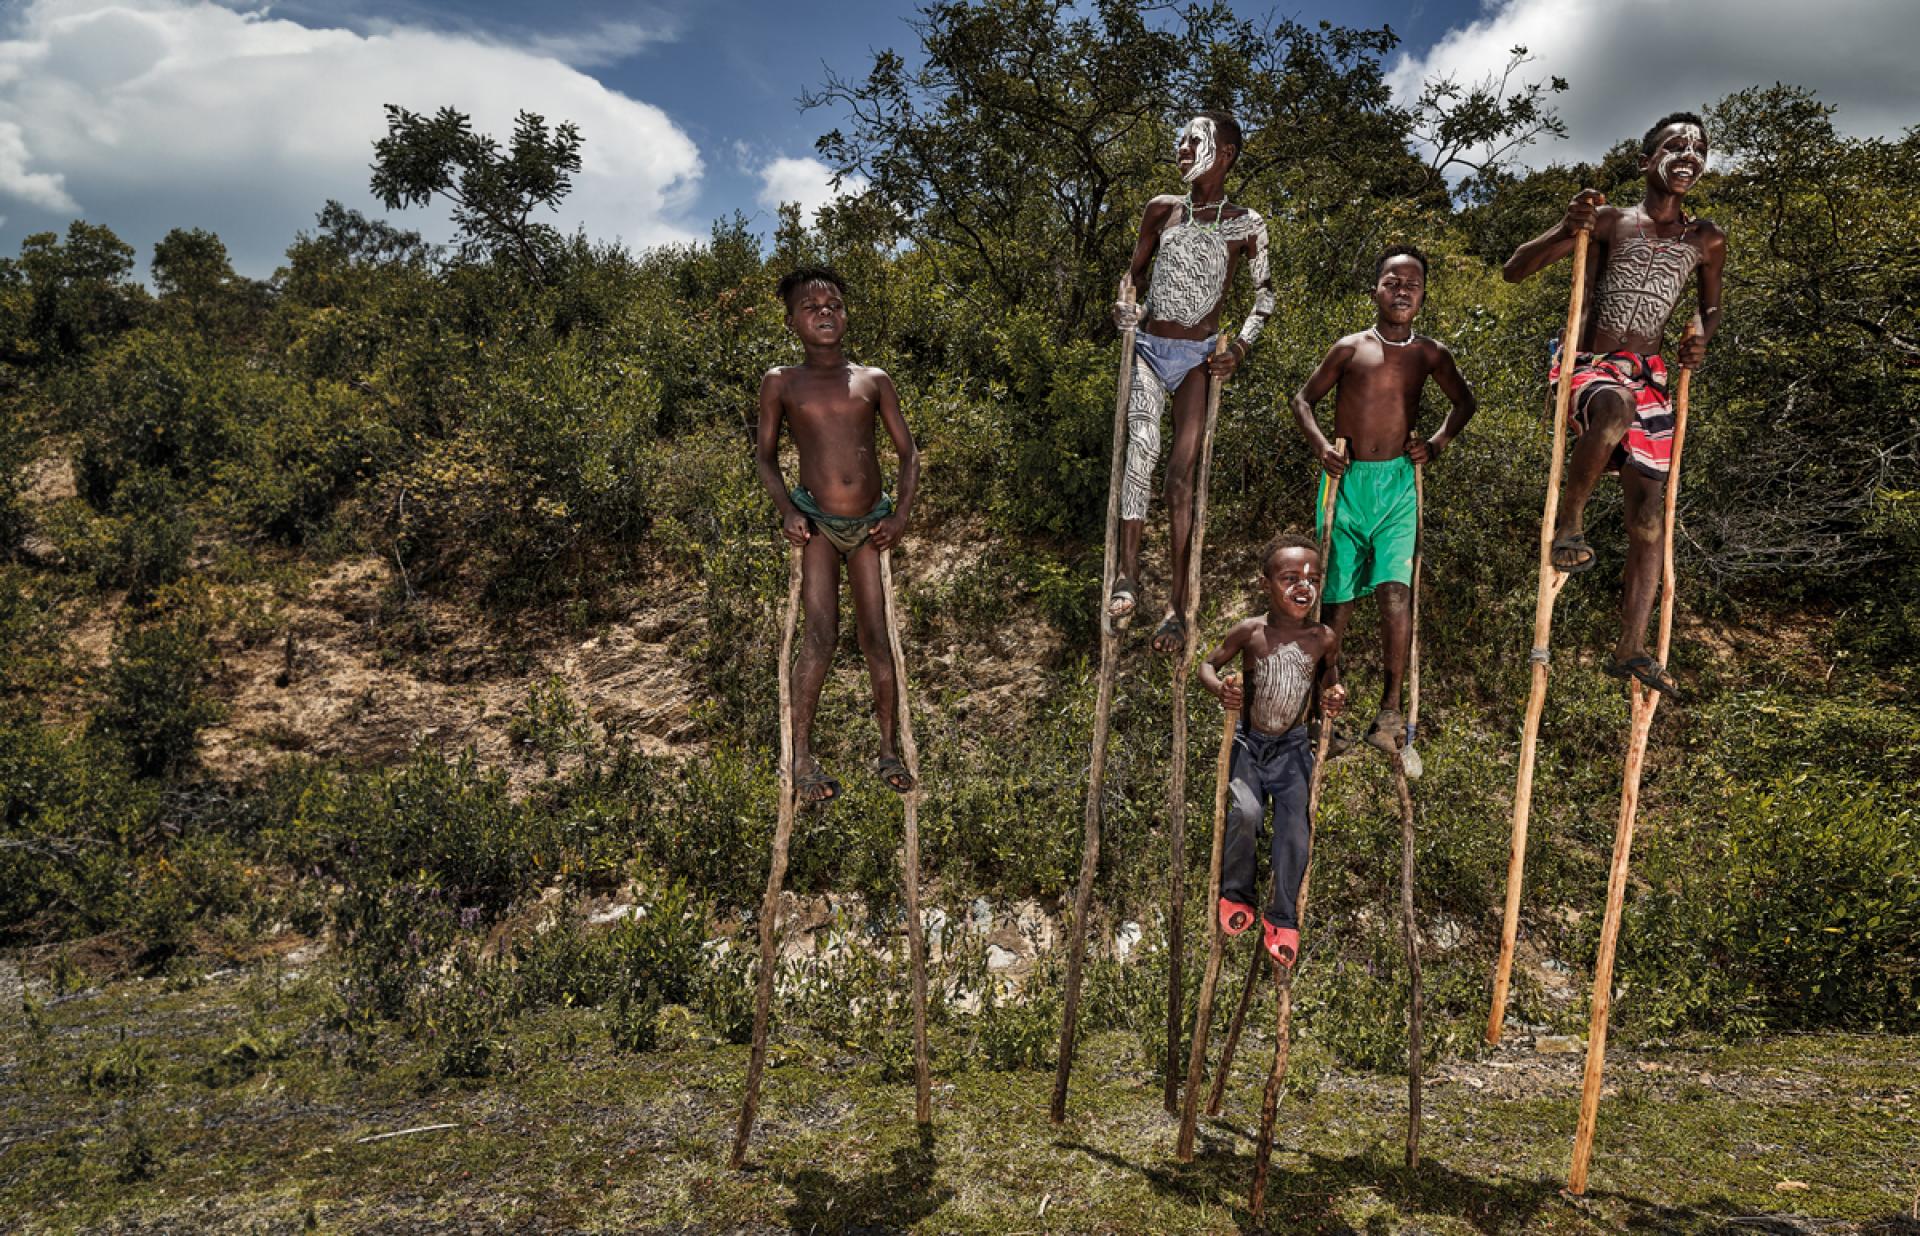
(420, 597)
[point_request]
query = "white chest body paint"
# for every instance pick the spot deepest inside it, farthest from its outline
(1190, 268)
(1281, 680)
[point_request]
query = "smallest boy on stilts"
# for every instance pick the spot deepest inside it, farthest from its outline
(1288, 660)
(838, 512)
(1622, 412)
(1380, 372)
(1194, 241)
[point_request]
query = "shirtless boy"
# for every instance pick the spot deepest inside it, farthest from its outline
(1194, 242)
(837, 513)
(1376, 522)
(1287, 659)
(1621, 411)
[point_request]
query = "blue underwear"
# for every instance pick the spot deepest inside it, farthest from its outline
(1172, 359)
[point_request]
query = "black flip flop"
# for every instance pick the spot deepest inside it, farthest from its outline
(1646, 671)
(890, 767)
(804, 782)
(1170, 625)
(1577, 544)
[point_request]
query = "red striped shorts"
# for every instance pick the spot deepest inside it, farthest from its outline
(1648, 446)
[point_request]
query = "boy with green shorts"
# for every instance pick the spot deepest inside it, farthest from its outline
(1379, 373)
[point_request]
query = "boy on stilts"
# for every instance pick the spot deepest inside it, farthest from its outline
(1621, 410)
(1194, 242)
(1288, 661)
(1379, 373)
(837, 513)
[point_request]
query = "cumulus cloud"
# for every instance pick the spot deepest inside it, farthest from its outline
(151, 114)
(1628, 62)
(807, 181)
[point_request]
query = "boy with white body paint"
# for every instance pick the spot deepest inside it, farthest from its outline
(1621, 412)
(1194, 242)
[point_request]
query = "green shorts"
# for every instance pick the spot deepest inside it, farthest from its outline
(1376, 524)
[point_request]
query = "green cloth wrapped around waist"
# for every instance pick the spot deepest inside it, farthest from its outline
(847, 532)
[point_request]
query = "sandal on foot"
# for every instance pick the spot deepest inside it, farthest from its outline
(1338, 743)
(1648, 672)
(1235, 916)
(1121, 601)
(1571, 554)
(1283, 943)
(1170, 628)
(1388, 729)
(892, 771)
(806, 785)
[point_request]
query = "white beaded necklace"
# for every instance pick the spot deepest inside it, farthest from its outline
(1392, 343)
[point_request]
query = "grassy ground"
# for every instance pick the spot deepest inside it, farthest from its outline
(224, 1106)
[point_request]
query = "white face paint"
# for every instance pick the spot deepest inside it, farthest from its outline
(1200, 129)
(1692, 156)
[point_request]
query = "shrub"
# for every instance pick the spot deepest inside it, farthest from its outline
(156, 691)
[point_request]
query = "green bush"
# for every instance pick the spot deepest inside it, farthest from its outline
(1015, 1033)
(1792, 904)
(156, 696)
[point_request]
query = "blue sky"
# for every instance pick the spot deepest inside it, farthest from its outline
(244, 116)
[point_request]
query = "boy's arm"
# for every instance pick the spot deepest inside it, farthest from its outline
(766, 460)
(1125, 316)
(887, 533)
(1585, 212)
(1322, 381)
(1261, 275)
(1328, 691)
(1693, 350)
(1446, 375)
(1228, 693)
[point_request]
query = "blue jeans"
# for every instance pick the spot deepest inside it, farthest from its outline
(1274, 769)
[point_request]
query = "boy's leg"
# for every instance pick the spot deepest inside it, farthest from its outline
(1646, 529)
(1609, 412)
(870, 624)
(1238, 862)
(1189, 424)
(820, 595)
(1396, 638)
(1292, 778)
(1146, 402)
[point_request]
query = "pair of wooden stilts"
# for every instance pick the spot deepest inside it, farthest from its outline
(1644, 702)
(783, 832)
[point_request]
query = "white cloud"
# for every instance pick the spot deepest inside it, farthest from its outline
(608, 43)
(1628, 62)
(806, 181)
(151, 114)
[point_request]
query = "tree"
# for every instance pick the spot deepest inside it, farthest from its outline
(1480, 128)
(77, 294)
(493, 194)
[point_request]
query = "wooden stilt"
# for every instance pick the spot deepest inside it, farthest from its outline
(1217, 1096)
(1283, 975)
(910, 858)
(1102, 716)
(776, 874)
(1645, 702)
(1409, 927)
(1177, 780)
(1550, 583)
(1216, 940)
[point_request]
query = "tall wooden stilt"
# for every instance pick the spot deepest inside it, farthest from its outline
(1217, 1096)
(910, 858)
(1550, 583)
(1102, 716)
(776, 874)
(1645, 701)
(1177, 780)
(1409, 927)
(1283, 975)
(1216, 941)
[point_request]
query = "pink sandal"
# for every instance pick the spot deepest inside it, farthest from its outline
(1283, 943)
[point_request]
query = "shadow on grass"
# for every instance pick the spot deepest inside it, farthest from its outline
(1308, 1201)
(888, 1200)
